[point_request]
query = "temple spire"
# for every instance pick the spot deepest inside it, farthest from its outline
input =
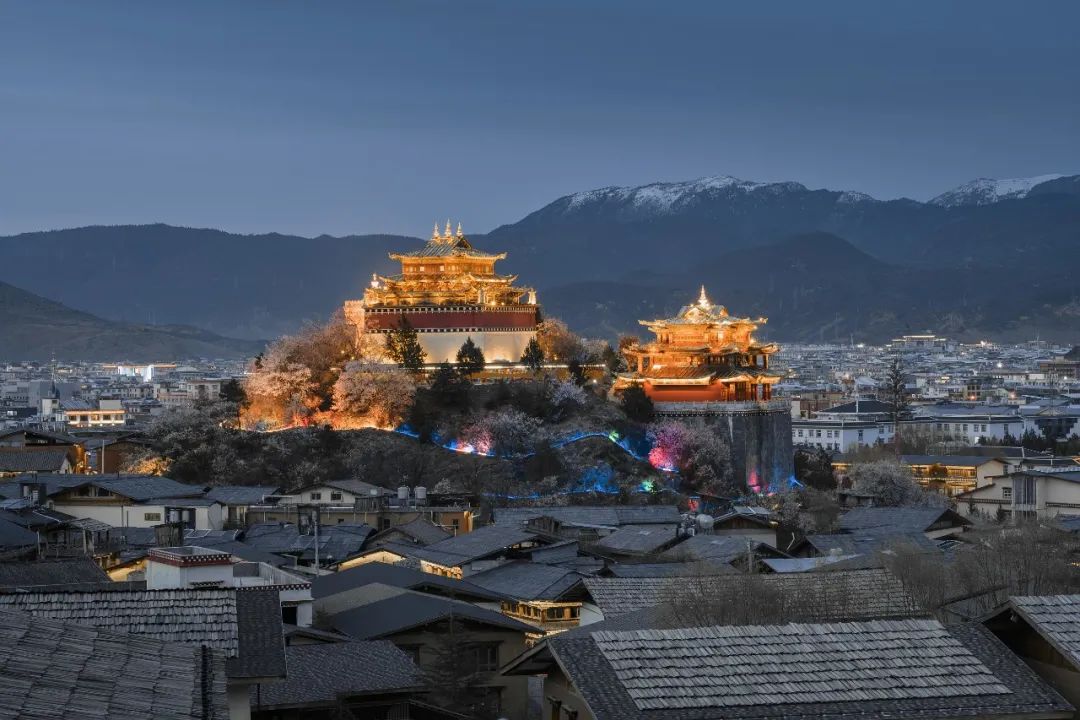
(459, 233)
(703, 300)
(435, 232)
(447, 235)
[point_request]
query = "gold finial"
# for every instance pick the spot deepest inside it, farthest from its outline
(435, 232)
(459, 233)
(447, 234)
(703, 300)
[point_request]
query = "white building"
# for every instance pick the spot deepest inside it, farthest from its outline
(1039, 493)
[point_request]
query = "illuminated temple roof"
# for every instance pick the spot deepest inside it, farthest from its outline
(702, 312)
(448, 245)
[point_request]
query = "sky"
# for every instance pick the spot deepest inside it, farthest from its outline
(360, 117)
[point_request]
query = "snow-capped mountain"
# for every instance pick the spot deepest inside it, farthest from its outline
(984, 191)
(671, 197)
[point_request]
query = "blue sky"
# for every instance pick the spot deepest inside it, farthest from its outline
(357, 117)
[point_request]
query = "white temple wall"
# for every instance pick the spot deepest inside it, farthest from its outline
(497, 345)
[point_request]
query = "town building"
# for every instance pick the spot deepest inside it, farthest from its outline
(1044, 492)
(449, 292)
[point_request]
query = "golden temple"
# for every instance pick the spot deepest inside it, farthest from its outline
(701, 355)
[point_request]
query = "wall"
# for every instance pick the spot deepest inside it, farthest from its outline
(760, 441)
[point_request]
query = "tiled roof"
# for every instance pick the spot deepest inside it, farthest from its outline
(57, 670)
(422, 530)
(868, 670)
(638, 539)
(193, 617)
(721, 548)
(394, 610)
(240, 494)
(396, 576)
(866, 544)
(811, 597)
(895, 519)
(26, 575)
(528, 581)
(260, 639)
(13, 535)
(610, 515)
(670, 569)
(33, 459)
(1056, 618)
(336, 542)
(458, 247)
(480, 543)
(321, 673)
(136, 487)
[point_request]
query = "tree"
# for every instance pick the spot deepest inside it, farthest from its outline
(533, 357)
(503, 433)
(403, 346)
(895, 390)
(698, 452)
(559, 343)
(452, 670)
(564, 398)
(636, 404)
(448, 388)
(367, 394)
(891, 484)
(234, 395)
(470, 359)
(813, 468)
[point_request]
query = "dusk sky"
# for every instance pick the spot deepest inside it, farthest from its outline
(359, 117)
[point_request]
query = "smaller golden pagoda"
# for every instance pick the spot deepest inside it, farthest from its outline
(701, 355)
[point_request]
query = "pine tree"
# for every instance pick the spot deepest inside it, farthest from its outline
(403, 346)
(533, 357)
(636, 404)
(896, 393)
(470, 359)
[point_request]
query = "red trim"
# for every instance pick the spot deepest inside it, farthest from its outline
(458, 317)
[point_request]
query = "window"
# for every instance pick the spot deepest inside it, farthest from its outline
(102, 492)
(316, 496)
(817, 433)
(483, 657)
(84, 491)
(335, 496)
(413, 651)
(151, 517)
(288, 614)
(1006, 493)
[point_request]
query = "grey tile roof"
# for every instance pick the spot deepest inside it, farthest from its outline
(866, 671)
(422, 530)
(189, 616)
(396, 576)
(638, 539)
(336, 542)
(722, 666)
(480, 543)
(670, 569)
(240, 494)
(721, 548)
(394, 610)
(895, 519)
(52, 669)
(866, 544)
(609, 515)
(136, 487)
(46, 459)
(13, 535)
(26, 575)
(233, 621)
(811, 597)
(260, 639)
(319, 674)
(1056, 618)
(528, 581)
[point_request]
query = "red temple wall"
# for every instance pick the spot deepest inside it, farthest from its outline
(524, 318)
(684, 393)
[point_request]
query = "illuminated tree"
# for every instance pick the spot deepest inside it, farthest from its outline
(533, 357)
(369, 394)
(559, 343)
(470, 359)
(505, 432)
(403, 346)
(891, 484)
(698, 453)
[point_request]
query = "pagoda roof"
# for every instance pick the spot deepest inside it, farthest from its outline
(702, 312)
(447, 245)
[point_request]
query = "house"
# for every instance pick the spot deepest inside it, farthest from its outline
(805, 597)
(236, 499)
(92, 414)
(741, 552)
(120, 500)
(423, 625)
(901, 669)
(747, 521)
(934, 522)
(845, 426)
(46, 460)
(357, 679)
(550, 597)
(636, 541)
(472, 552)
(1043, 493)
(948, 474)
(36, 439)
(62, 668)
(1045, 632)
(242, 624)
(330, 545)
(420, 531)
(586, 522)
(336, 592)
(69, 574)
(354, 501)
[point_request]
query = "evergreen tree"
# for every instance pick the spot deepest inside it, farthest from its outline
(234, 394)
(636, 404)
(403, 346)
(895, 391)
(447, 387)
(577, 372)
(470, 359)
(533, 357)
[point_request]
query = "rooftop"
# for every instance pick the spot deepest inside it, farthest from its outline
(1056, 618)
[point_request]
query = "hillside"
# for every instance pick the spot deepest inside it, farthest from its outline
(34, 328)
(986, 259)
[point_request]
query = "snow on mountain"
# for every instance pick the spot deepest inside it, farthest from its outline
(984, 191)
(668, 197)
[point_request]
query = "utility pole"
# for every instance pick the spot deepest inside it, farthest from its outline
(316, 541)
